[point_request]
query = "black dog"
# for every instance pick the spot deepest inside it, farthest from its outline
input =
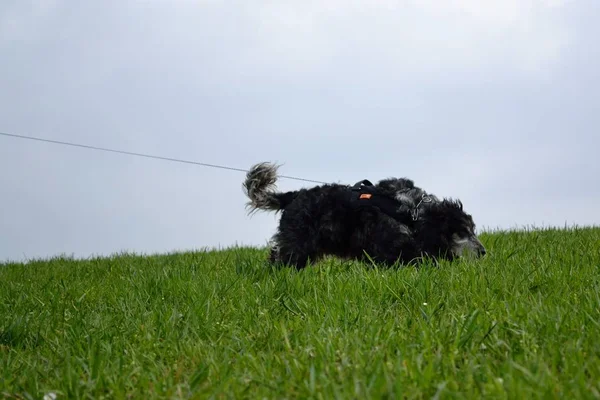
(390, 222)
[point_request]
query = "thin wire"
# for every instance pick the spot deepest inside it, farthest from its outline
(130, 153)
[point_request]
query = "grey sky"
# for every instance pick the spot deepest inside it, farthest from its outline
(494, 102)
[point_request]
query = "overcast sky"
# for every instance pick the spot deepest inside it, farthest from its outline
(495, 102)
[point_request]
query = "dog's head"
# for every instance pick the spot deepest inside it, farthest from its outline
(447, 231)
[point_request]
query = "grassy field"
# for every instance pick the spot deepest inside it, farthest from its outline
(522, 323)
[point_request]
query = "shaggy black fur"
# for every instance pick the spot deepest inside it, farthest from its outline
(324, 220)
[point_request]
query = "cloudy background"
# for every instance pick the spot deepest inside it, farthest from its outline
(495, 102)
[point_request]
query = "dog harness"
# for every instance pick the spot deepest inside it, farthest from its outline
(365, 195)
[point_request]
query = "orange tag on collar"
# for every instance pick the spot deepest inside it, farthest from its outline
(365, 196)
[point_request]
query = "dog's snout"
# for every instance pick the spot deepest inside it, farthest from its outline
(482, 251)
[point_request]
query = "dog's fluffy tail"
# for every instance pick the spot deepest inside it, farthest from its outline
(259, 186)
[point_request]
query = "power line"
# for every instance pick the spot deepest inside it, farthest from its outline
(130, 153)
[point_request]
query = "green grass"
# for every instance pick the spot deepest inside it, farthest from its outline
(522, 323)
